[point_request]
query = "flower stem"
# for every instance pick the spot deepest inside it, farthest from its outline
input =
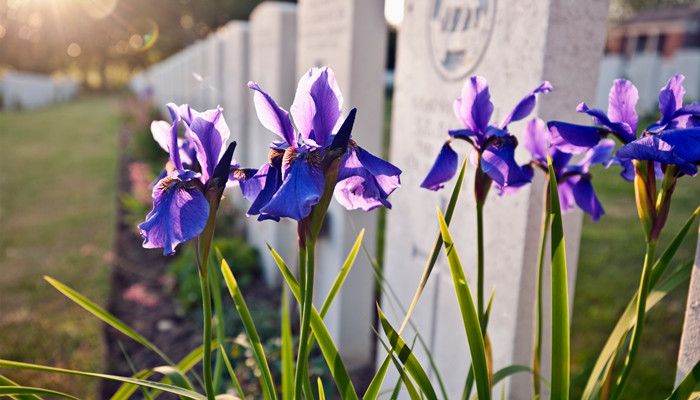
(480, 262)
(639, 326)
(537, 350)
(206, 306)
(305, 329)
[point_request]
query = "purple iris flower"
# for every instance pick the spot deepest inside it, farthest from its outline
(493, 144)
(292, 182)
(671, 140)
(181, 205)
(573, 181)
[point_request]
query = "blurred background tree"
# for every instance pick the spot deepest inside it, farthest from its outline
(101, 42)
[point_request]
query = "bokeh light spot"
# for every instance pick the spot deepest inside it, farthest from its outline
(98, 9)
(146, 36)
(73, 50)
(186, 21)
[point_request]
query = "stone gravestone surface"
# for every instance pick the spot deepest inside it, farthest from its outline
(273, 31)
(689, 353)
(350, 37)
(211, 73)
(515, 47)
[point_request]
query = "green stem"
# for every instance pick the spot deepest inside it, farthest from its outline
(206, 303)
(480, 263)
(305, 329)
(639, 325)
(537, 351)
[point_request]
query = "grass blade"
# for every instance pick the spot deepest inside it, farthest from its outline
(232, 373)
(406, 356)
(325, 342)
(266, 377)
(412, 392)
(688, 384)
(23, 390)
(7, 382)
(470, 317)
(341, 275)
(436, 247)
(373, 389)
(560, 299)
(153, 385)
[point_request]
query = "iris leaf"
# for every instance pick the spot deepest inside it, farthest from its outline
(266, 378)
(469, 315)
(560, 298)
(687, 385)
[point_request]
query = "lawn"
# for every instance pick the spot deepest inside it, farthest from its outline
(57, 210)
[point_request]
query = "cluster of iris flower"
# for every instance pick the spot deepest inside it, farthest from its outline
(673, 140)
(188, 192)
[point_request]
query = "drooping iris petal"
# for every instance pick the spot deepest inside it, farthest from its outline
(474, 108)
(535, 139)
(365, 181)
(300, 191)
(585, 197)
(526, 105)
(560, 160)
(179, 213)
(208, 132)
(264, 185)
(622, 99)
(317, 105)
(566, 196)
(272, 116)
(443, 169)
(621, 129)
(679, 147)
(598, 154)
(572, 138)
(499, 164)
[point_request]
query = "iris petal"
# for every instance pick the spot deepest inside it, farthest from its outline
(365, 181)
(621, 129)
(208, 132)
(622, 99)
(535, 139)
(443, 169)
(585, 197)
(300, 191)
(179, 214)
(272, 116)
(499, 164)
(679, 147)
(526, 105)
(264, 185)
(572, 138)
(474, 108)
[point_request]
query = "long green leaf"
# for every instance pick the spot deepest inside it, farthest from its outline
(325, 342)
(470, 317)
(154, 385)
(560, 298)
(287, 350)
(341, 275)
(626, 321)
(7, 382)
(232, 373)
(266, 380)
(23, 390)
(190, 360)
(403, 377)
(373, 389)
(407, 358)
(436, 246)
(466, 392)
(105, 316)
(687, 385)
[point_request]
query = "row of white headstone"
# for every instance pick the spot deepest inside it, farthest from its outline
(26, 91)
(440, 43)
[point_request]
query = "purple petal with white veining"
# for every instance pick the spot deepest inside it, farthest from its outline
(365, 181)
(474, 108)
(622, 99)
(179, 213)
(300, 191)
(272, 116)
(317, 105)
(173, 149)
(443, 169)
(526, 105)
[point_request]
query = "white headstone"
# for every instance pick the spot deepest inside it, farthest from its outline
(515, 47)
(689, 353)
(235, 95)
(211, 73)
(273, 31)
(350, 37)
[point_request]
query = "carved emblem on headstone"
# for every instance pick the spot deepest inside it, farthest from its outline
(459, 32)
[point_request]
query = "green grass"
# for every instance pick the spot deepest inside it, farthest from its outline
(57, 205)
(610, 263)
